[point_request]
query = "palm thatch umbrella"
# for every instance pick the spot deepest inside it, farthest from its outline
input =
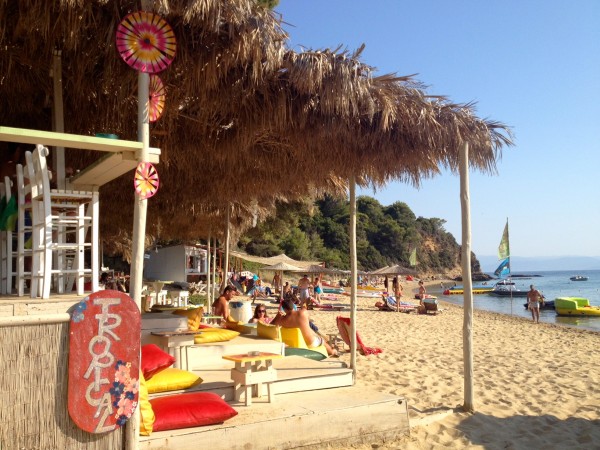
(239, 107)
(397, 269)
(280, 268)
(247, 121)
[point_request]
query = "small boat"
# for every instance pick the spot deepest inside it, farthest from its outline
(575, 306)
(548, 304)
(578, 278)
(507, 290)
(476, 290)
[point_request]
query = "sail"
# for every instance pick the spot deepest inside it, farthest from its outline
(413, 257)
(503, 269)
(504, 247)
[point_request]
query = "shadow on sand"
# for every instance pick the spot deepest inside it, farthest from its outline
(530, 432)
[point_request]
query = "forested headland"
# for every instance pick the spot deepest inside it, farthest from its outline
(386, 235)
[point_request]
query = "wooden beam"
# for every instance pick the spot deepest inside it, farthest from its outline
(109, 167)
(34, 137)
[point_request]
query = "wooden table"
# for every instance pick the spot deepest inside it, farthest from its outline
(176, 344)
(250, 372)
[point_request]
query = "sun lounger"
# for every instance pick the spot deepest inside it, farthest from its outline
(389, 304)
(343, 324)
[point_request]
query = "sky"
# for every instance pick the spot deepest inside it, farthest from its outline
(533, 65)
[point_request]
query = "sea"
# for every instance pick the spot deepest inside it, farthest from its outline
(551, 284)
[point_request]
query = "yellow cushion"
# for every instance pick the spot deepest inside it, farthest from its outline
(268, 331)
(172, 379)
(194, 317)
(214, 335)
(292, 337)
(147, 417)
(232, 324)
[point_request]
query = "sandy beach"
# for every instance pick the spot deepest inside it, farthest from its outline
(535, 385)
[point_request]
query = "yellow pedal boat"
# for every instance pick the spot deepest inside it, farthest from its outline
(575, 306)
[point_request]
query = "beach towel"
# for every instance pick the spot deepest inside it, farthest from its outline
(343, 324)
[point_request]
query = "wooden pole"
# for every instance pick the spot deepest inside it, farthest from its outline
(226, 249)
(58, 156)
(466, 276)
(214, 269)
(208, 280)
(353, 270)
(139, 234)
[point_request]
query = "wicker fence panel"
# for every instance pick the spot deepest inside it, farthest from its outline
(33, 393)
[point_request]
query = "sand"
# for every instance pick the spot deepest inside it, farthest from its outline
(535, 385)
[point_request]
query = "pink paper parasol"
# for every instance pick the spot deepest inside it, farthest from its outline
(146, 180)
(157, 98)
(146, 42)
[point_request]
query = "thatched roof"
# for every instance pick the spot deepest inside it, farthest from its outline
(247, 121)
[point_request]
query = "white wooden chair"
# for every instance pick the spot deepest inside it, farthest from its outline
(179, 298)
(24, 230)
(7, 246)
(60, 224)
(2, 247)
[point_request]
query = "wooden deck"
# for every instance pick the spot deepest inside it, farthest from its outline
(310, 419)
(314, 402)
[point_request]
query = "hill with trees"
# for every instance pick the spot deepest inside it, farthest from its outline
(386, 235)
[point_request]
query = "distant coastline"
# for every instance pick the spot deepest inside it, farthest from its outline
(524, 264)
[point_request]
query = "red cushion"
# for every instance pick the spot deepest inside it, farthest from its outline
(190, 410)
(154, 360)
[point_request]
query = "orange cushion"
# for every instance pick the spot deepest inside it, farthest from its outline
(190, 410)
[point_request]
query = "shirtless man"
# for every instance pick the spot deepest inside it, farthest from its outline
(422, 293)
(534, 297)
(299, 319)
(304, 290)
(221, 305)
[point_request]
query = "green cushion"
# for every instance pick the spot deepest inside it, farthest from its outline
(310, 354)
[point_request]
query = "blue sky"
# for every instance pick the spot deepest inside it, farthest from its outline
(534, 65)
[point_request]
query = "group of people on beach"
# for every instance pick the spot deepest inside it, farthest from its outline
(288, 316)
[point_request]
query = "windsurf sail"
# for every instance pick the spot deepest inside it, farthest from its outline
(413, 257)
(504, 247)
(503, 269)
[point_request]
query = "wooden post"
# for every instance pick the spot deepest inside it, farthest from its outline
(353, 270)
(139, 233)
(58, 156)
(466, 276)
(208, 280)
(226, 249)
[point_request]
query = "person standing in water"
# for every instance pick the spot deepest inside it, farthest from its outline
(534, 298)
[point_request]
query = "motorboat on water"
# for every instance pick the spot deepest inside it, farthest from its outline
(507, 290)
(460, 290)
(575, 306)
(578, 278)
(547, 304)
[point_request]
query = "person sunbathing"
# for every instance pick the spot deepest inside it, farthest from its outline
(220, 306)
(260, 315)
(299, 319)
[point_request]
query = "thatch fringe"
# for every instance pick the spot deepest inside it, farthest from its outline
(247, 121)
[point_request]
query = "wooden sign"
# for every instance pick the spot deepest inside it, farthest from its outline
(104, 361)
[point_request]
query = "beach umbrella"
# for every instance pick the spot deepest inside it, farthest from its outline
(281, 267)
(314, 268)
(397, 270)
